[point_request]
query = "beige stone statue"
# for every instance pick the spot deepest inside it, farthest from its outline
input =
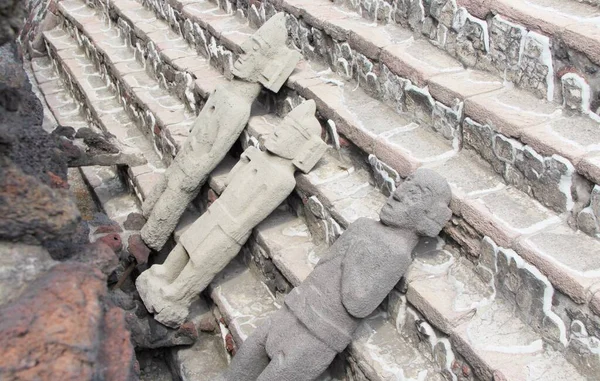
(257, 184)
(216, 129)
(266, 60)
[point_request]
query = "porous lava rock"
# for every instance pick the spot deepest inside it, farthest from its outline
(60, 329)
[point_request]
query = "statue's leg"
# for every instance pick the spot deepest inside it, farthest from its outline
(173, 265)
(155, 193)
(168, 210)
(150, 282)
(206, 261)
(251, 359)
(296, 354)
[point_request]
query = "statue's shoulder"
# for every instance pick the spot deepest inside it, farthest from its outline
(365, 225)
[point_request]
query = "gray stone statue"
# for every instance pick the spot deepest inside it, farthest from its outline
(256, 186)
(320, 316)
(266, 60)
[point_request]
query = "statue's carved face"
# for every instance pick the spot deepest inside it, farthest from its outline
(297, 128)
(258, 52)
(265, 56)
(420, 203)
(285, 141)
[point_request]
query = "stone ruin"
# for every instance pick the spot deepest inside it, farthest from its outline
(138, 139)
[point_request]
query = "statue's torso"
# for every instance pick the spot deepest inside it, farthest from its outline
(223, 117)
(317, 302)
(256, 190)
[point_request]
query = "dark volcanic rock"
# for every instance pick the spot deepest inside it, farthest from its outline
(33, 212)
(12, 14)
(98, 255)
(147, 333)
(21, 116)
(59, 330)
(134, 221)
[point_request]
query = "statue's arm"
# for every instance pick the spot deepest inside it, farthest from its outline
(369, 273)
(245, 158)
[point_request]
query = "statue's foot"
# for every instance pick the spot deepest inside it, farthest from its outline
(172, 314)
(148, 286)
(158, 271)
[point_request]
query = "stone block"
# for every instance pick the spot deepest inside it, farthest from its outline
(418, 61)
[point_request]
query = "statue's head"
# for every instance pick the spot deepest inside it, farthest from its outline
(265, 56)
(298, 137)
(420, 204)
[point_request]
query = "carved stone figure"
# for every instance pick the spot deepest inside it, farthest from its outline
(216, 129)
(256, 185)
(320, 316)
(266, 60)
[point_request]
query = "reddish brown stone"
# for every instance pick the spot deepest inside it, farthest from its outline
(212, 196)
(98, 255)
(207, 323)
(57, 181)
(230, 344)
(57, 330)
(113, 241)
(344, 142)
(30, 208)
(188, 329)
(138, 249)
(117, 351)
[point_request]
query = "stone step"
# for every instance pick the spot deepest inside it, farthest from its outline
(108, 47)
(206, 358)
(69, 111)
(511, 112)
(82, 73)
(528, 42)
(574, 23)
(482, 206)
(481, 198)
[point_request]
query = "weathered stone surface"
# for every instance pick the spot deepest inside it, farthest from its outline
(20, 265)
(147, 333)
(446, 88)
(59, 329)
(100, 256)
(418, 61)
(11, 20)
(26, 205)
(134, 221)
(509, 111)
(206, 358)
(137, 248)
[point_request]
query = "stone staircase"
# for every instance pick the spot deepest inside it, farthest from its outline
(498, 97)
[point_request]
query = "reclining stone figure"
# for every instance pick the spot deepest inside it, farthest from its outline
(265, 60)
(257, 185)
(320, 316)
